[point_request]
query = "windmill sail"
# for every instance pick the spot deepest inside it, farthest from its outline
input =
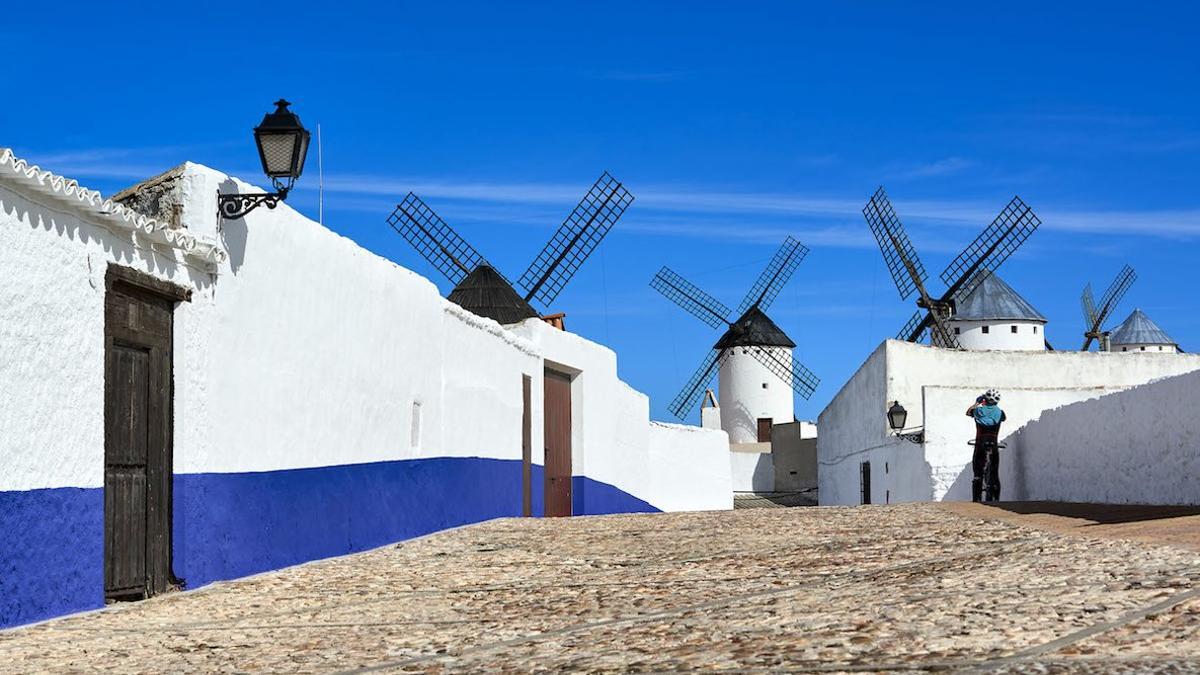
(1095, 315)
(991, 248)
(689, 296)
(436, 241)
(802, 380)
(898, 253)
(686, 399)
(783, 264)
(575, 240)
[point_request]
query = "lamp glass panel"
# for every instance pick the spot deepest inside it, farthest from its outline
(277, 153)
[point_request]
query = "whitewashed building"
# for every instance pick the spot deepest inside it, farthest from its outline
(861, 459)
(193, 399)
(1138, 333)
(994, 316)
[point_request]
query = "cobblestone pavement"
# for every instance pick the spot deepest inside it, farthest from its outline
(873, 588)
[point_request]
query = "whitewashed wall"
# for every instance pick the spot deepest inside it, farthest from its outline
(936, 386)
(1138, 446)
(297, 364)
(752, 468)
(682, 457)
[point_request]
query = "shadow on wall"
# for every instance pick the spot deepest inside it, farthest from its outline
(119, 245)
(233, 232)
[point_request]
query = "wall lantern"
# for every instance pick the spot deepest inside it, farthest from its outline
(282, 146)
(897, 417)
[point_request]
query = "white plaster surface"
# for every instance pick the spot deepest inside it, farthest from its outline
(753, 470)
(300, 349)
(683, 458)
(743, 398)
(1137, 446)
(1029, 335)
(936, 386)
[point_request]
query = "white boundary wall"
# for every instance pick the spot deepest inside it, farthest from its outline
(1139, 446)
(301, 350)
(936, 386)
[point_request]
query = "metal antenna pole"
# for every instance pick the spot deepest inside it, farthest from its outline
(320, 180)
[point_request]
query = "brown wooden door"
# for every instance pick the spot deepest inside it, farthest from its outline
(526, 445)
(138, 326)
(557, 418)
(764, 430)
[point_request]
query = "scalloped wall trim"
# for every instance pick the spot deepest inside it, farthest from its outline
(91, 203)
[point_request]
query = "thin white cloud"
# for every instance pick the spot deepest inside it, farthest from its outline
(663, 209)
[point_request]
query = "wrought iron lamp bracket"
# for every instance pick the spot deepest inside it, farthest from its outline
(231, 207)
(917, 436)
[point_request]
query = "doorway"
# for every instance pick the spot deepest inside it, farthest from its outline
(557, 422)
(138, 432)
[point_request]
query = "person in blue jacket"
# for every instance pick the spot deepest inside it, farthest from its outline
(987, 415)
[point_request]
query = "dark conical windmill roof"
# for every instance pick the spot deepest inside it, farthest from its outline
(754, 329)
(486, 293)
(1139, 329)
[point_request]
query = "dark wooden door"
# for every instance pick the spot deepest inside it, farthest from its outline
(138, 326)
(557, 418)
(764, 430)
(526, 446)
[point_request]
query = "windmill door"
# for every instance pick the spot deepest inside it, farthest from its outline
(557, 421)
(137, 437)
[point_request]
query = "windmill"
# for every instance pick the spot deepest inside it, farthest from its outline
(973, 265)
(1094, 317)
(751, 349)
(478, 286)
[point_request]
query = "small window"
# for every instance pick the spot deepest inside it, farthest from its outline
(764, 385)
(1124, 349)
(957, 330)
(1160, 349)
(1143, 349)
(1035, 330)
(415, 426)
(1014, 329)
(985, 329)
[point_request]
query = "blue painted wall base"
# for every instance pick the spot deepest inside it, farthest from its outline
(231, 525)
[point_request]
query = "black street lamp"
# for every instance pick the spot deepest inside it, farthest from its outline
(897, 417)
(282, 146)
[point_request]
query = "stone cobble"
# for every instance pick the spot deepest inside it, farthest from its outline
(874, 588)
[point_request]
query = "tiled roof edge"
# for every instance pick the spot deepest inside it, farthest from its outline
(91, 203)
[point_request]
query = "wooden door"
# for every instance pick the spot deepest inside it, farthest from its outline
(764, 430)
(138, 327)
(526, 446)
(557, 422)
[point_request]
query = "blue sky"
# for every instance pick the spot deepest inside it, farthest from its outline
(733, 124)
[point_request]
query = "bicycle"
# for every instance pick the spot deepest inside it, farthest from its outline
(987, 487)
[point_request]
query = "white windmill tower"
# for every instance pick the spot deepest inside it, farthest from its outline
(753, 356)
(1138, 334)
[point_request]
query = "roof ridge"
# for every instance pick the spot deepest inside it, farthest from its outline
(70, 192)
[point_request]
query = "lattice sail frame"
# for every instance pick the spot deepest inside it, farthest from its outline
(575, 240)
(1094, 317)
(776, 275)
(436, 241)
(1087, 303)
(1015, 223)
(686, 399)
(691, 298)
(802, 380)
(892, 239)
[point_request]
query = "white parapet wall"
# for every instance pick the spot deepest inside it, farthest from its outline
(1138, 446)
(325, 400)
(936, 386)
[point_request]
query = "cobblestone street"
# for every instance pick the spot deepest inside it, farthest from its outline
(876, 588)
